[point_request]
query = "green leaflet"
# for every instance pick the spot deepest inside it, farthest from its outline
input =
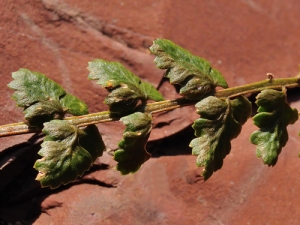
(274, 115)
(132, 153)
(194, 74)
(220, 122)
(42, 98)
(67, 152)
(73, 105)
(92, 142)
(126, 89)
(43, 111)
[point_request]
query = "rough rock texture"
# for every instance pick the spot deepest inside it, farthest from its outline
(243, 39)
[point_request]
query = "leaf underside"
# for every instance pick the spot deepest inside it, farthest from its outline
(67, 152)
(126, 89)
(220, 122)
(274, 115)
(193, 73)
(132, 153)
(43, 99)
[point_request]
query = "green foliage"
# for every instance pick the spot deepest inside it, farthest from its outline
(220, 122)
(67, 152)
(42, 98)
(132, 153)
(194, 74)
(73, 105)
(92, 141)
(274, 115)
(126, 89)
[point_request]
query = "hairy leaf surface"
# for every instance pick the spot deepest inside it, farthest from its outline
(132, 153)
(274, 115)
(126, 89)
(193, 73)
(67, 152)
(43, 99)
(73, 105)
(220, 122)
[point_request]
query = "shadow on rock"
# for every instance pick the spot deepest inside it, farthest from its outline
(21, 196)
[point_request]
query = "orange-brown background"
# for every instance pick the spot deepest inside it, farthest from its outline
(243, 39)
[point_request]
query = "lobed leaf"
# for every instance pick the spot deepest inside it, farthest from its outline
(43, 99)
(193, 73)
(73, 105)
(220, 122)
(67, 152)
(33, 87)
(132, 153)
(92, 141)
(126, 89)
(274, 115)
(40, 112)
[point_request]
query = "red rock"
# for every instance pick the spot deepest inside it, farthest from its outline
(245, 40)
(169, 190)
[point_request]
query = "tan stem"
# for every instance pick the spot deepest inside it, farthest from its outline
(167, 105)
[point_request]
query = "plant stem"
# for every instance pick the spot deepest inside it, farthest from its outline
(258, 86)
(16, 128)
(167, 105)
